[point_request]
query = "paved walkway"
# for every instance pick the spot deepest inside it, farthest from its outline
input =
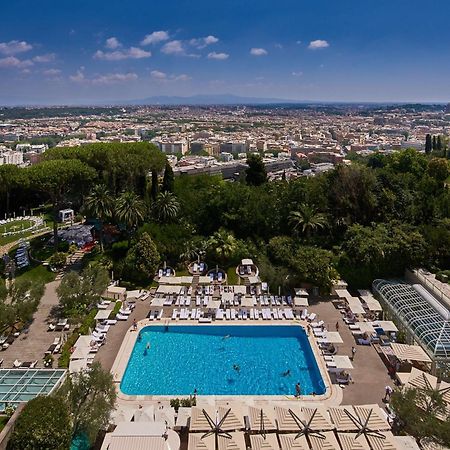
(31, 346)
(108, 352)
(369, 374)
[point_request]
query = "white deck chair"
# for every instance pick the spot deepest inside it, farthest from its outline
(174, 314)
(312, 317)
(304, 314)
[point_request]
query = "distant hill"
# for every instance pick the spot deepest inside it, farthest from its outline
(219, 99)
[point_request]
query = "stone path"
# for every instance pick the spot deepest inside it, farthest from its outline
(31, 346)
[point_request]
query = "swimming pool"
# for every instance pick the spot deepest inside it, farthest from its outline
(222, 360)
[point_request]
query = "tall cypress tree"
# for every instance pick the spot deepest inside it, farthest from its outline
(154, 188)
(428, 144)
(168, 179)
(439, 143)
(434, 143)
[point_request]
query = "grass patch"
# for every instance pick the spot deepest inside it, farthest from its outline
(64, 358)
(16, 225)
(232, 276)
(115, 310)
(88, 322)
(38, 273)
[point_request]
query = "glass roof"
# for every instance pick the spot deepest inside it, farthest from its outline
(421, 313)
(21, 385)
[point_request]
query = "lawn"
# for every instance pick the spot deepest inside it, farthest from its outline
(36, 273)
(16, 225)
(232, 277)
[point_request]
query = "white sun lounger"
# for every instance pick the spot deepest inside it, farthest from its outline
(121, 316)
(252, 314)
(304, 314)
(227, 314)
(244, 314)
(199, 314)
(312, 317)
(152, 315)
(174, 314)
(233, 314)
(125, 312)
(219, 314)
(275, 313)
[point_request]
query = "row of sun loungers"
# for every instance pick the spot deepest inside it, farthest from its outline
(233, 314)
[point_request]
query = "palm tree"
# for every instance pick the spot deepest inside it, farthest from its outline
(130, 210)
(223, 244)
(100, 204)
(307, 220)
(166, 207)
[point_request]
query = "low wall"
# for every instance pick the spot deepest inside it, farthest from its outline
(9, 427)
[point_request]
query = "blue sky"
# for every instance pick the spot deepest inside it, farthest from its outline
(326, 50)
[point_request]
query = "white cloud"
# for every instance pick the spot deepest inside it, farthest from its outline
(158, 75)
(51, 72)
(11, 62)
(204, 41)
(155, 37)
(48, 57)
(298, 42)
(182, 77)
(78, 77)
(219, 56)
(318, 44)
(14, 47)
(173, 48)
(113, 78)
(118, 55)
(112, 43)
(258, 52)
(109, 78)
(297, 74)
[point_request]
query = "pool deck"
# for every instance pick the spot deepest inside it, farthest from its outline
(369, 374)
(332, 396)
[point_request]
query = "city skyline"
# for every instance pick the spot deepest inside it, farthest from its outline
(84, 53)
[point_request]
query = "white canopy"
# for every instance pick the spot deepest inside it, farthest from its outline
(213, 304)
(158, 301)
(167, 289)
(301, 301)
(342, 362)
(355, 305)
(247, 262)
(238, 289)
(343, 293)
(227, 297)
(203, 279)
(333, 337)
(247, 301)
(102, 314)
(254, 279)
(387, 325)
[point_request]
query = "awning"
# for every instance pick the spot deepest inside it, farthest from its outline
(254, 279)
(386, 443)
(292, 442)
(266, 442)
(199, 441)
(341, 417)
(203, 279)
(355, 305)
(320, 418)
(333, 337)
(405, 352)
(343, 293)
(247, 301)
(342, 362)
(420, 379)
(227, 297)
(122, 414)
(372, 303)
(353, 441)
(234, 419)
(365, 327)
(285, 420)
(261, 419)
(247, 262)
(301, 301)
(168, 289)
(301, 292)
(387, 325)
(158, 301)
(327, 441)
(377, 418)
(133, 294)
(103, 314)
(213, 304)
(239, 289)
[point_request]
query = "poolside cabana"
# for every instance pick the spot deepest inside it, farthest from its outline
(341, 416)
(373, 416)
(405, 352)
(227, 298)
(332, 337)
(317, 418)
(199, 418)
(387, 325)
(343, 293)
(115, 292)
(169, 289)
(421, 380)
(122, 414)
(231, 417)
(102, 314)
(247, 302)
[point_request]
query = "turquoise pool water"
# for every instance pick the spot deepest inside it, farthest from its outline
(222, 360)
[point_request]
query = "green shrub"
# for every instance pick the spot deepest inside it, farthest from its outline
(64, 359)
(115, 310)
(88, 322)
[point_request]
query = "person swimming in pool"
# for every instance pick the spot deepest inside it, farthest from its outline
(139, 338)
(226, 337)
(147, 347)
(286, 373)
(236, 368)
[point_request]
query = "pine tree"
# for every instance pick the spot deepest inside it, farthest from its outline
(428, 144)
